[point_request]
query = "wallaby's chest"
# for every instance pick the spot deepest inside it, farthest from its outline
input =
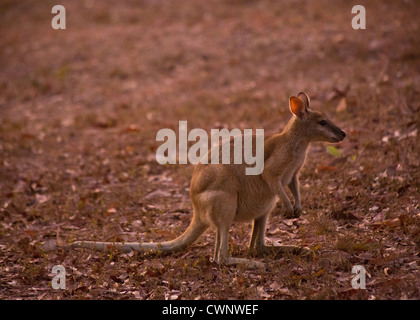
(297, 159)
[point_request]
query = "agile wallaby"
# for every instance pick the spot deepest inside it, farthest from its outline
(222, 193)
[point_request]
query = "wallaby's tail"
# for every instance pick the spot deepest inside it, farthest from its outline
(193, 232)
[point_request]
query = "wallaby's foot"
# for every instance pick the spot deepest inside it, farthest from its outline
(282, 250)
(247, 263)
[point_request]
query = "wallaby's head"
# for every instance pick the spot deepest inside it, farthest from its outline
(313, 124)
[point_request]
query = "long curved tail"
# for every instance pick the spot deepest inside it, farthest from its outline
(193, 232)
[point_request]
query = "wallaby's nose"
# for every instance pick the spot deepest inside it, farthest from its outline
(343, 134)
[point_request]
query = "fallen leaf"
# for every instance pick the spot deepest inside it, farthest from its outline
(413, 265)
(333, 151)
(154, 270)
(173, 295)
(31, 233)
(49, 245)
(275, 286)
(117, 234)
(343, 215)
(325, 168)
(262, 293)
(240, 280)
(319, 273)
(40, 198)
(157, 194)
(110, 211)
(116, 279)
(342, 105)
(105, 122)
(59, 241)
(131, 128)
(27, 136)
(81, 289)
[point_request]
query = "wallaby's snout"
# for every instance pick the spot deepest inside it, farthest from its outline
(342, 134)
(331, 133)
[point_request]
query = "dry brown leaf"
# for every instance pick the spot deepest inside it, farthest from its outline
(31, 233)
(131, 128)
(157, 194)
(319, 273)
(40, 198)
(110, 211)
(342, 105)
(344, 215)
(326, 168)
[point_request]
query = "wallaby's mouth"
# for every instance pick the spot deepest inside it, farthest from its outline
(339, 137)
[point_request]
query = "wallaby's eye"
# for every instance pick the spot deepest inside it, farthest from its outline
(323, 122)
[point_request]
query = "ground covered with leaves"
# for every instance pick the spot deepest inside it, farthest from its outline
(79, 113)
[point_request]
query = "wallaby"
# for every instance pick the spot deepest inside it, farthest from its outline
(222, 194)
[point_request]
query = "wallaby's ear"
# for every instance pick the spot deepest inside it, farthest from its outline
(297, 106)
(305, 98)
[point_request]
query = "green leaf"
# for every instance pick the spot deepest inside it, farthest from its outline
(63, 72)
(333, 151)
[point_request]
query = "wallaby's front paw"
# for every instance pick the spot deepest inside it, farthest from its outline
(289, 214)
(292, 213)
(297, 212)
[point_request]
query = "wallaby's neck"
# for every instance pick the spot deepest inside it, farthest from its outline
(296, 133)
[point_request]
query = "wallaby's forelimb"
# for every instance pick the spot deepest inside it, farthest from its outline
(294, 188)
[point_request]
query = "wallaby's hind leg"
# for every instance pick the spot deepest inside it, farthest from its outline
(216, 255)
(258, 233)
(220, 209)
(222, 252)
(257, 243)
